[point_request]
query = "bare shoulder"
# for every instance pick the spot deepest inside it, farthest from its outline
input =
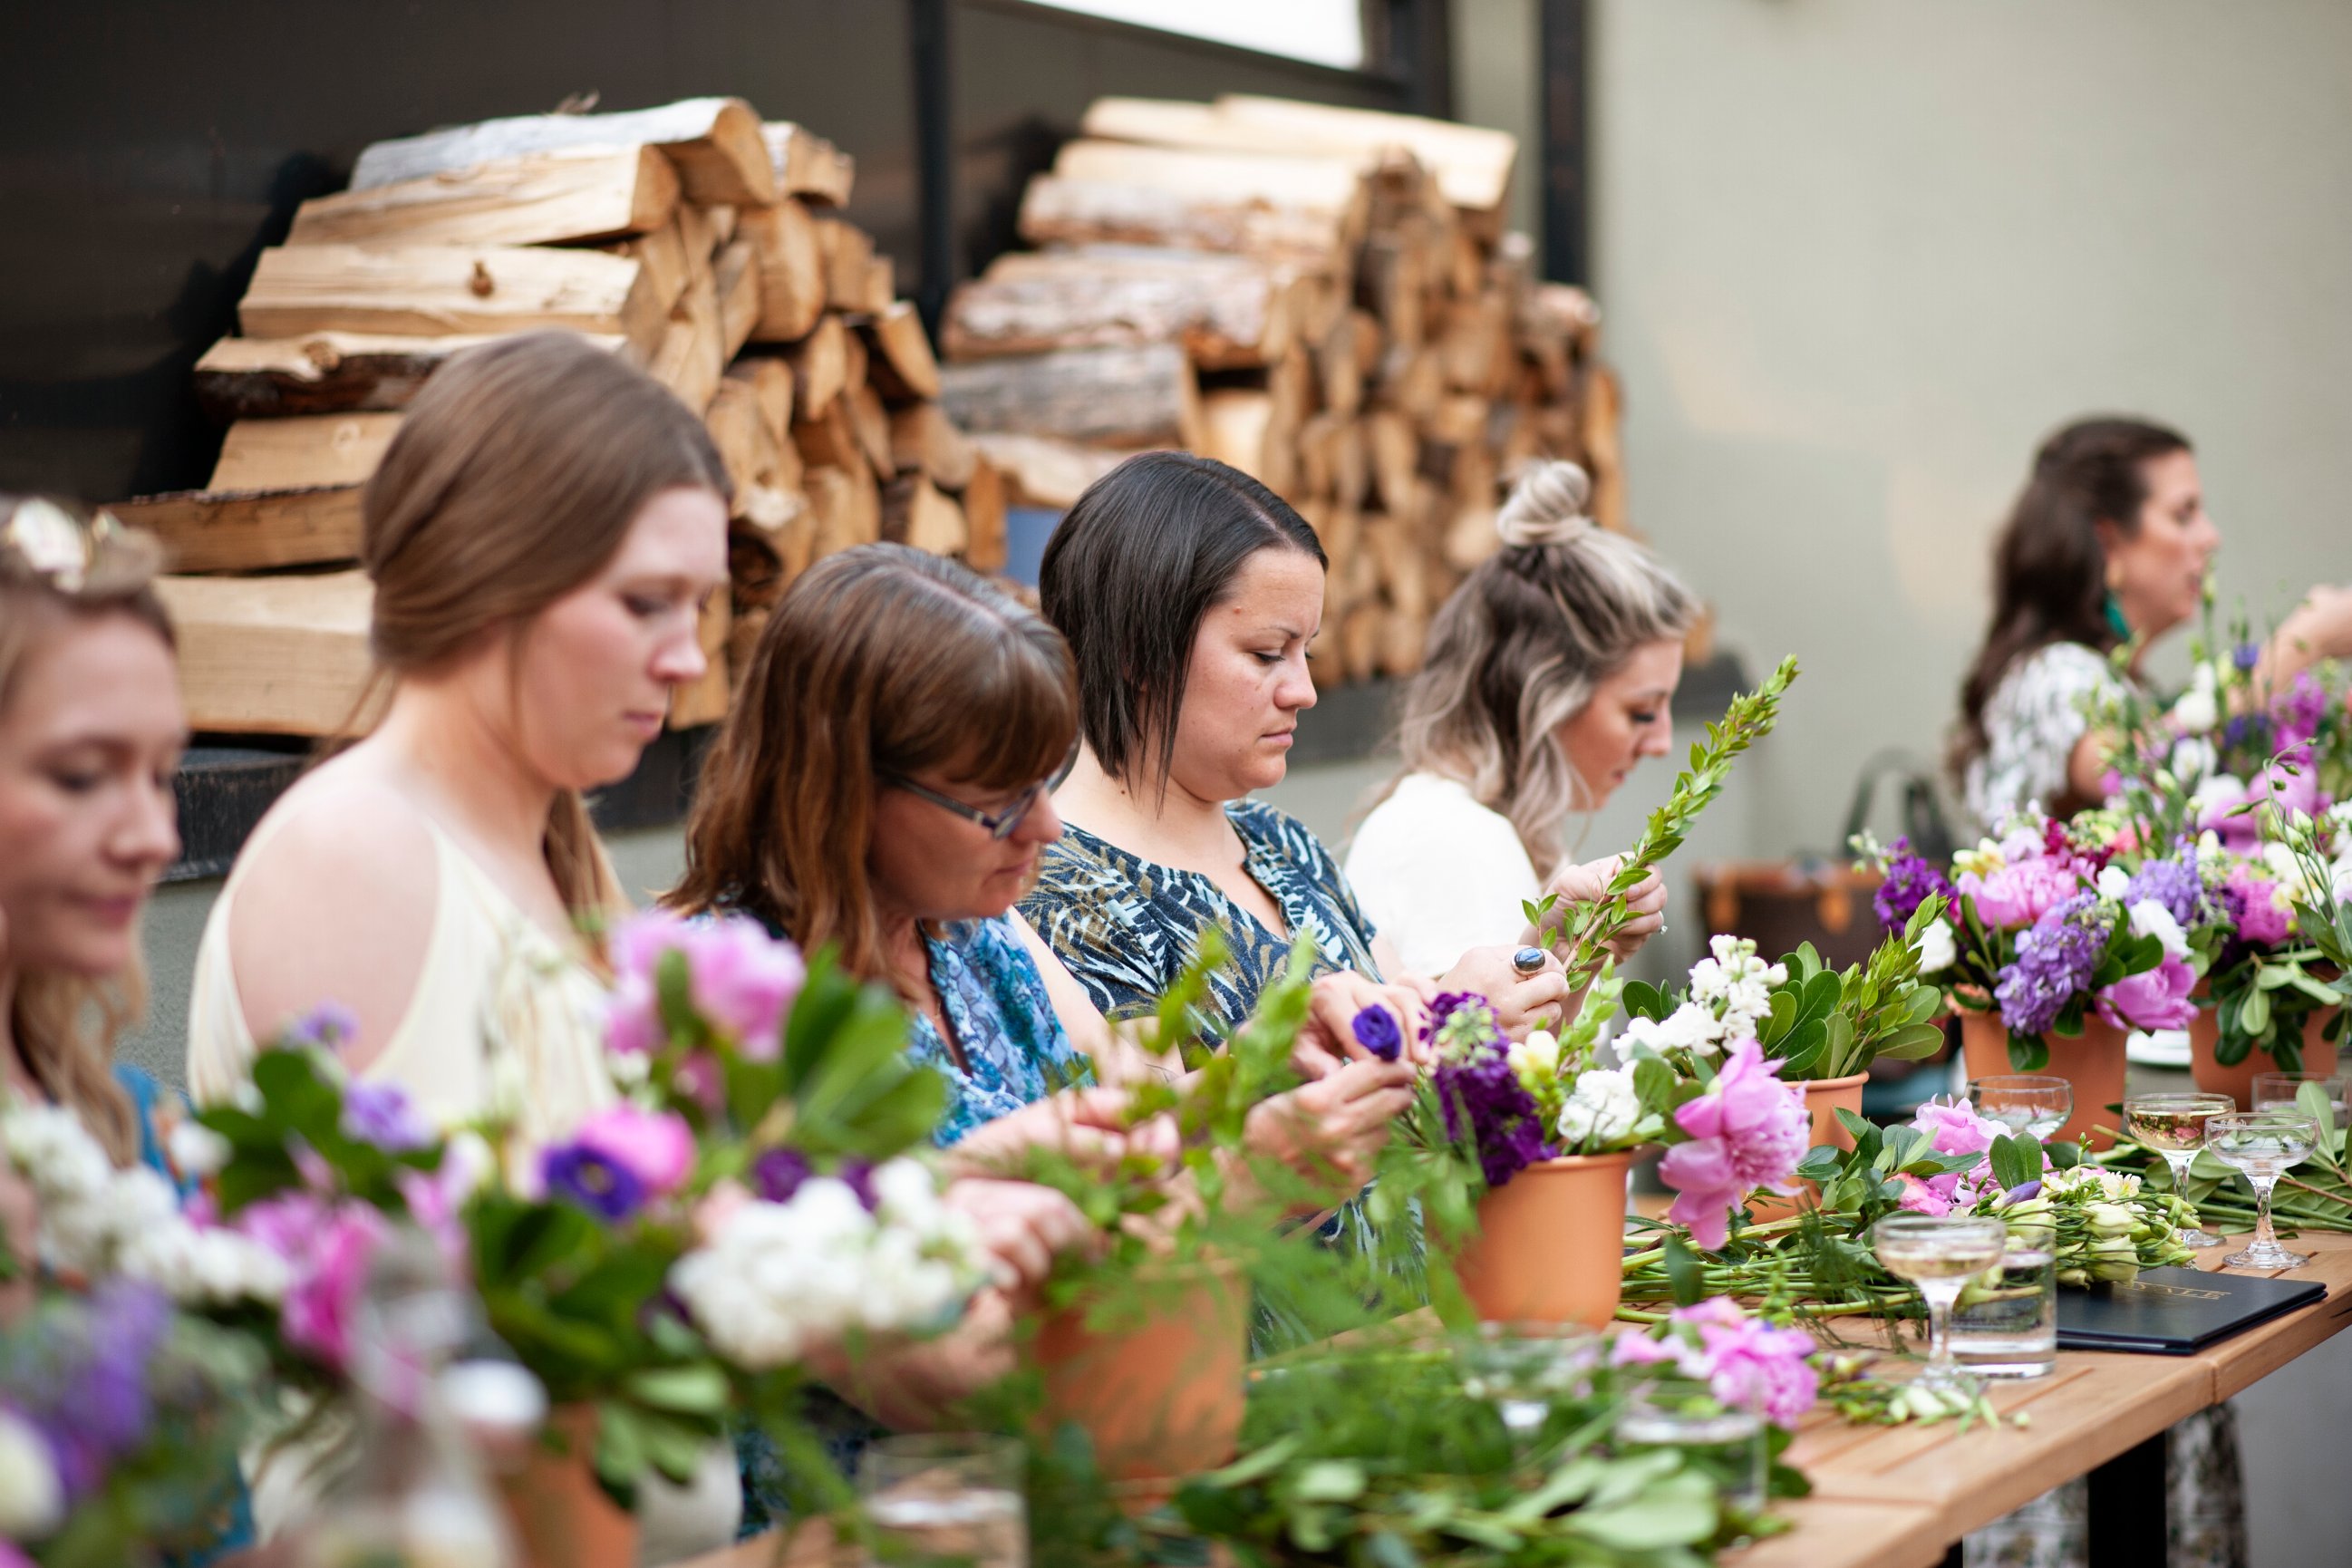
(335, 904)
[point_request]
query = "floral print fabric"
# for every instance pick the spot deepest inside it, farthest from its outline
(2033, 722)
(1016, 1051)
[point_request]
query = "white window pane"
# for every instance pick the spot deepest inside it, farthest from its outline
(1326, 32)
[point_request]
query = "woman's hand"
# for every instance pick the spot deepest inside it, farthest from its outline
(1521, 1002)
(1022, 1226)
(1328, 1041)
(1086, 1126)
(1331, 1130)
(1588, 884)
(2319, 627)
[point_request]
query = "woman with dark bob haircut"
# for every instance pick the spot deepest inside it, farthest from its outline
(1189, 592)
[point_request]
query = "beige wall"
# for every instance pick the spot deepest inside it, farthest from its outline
(1857, 257)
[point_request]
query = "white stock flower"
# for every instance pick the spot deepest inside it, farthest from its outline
(197, 1151)
(1602, 1109)
(32, 1496)
(2193, 759)
(1689, 1027)
(2149, 918)
(1536, 1058)
(49, 1145)
(1938, 949)
(2113, 882)
(2221, 792)
(2199, 707)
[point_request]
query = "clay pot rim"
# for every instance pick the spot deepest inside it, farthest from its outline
(1848, 1082)
(1570, 1162)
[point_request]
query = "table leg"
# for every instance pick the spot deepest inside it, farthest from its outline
(2126, 1511)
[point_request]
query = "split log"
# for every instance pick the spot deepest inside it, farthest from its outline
(693, 352)
(539, 198)
(250, 530)
(662, 254)
(847, 507)
(302, 453)
(329, 372)
(717, 143)
(871, 423)
(792, 270)
(1039, 471)
(1601, 411)
(853, 358)
(829, 439)
(1332, 186)
(735, 281)
(820, 365)
(699, 231)
(880, 289)
(899, 361)
(743, 636)
(1471, 163)
(429, 291)
(280, 656)
(983, 514)
(1059, 211)
(704, 700)
(807, 166)
(770, 381)
(1239, 428)
(739, 428)
(849, 254)
(915, 513)
(1226, 311)
(924, 440)
(1112, 398)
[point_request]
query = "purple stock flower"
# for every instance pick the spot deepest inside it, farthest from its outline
(1375, 1028)
(1911, 881)
(324, 1027)
(1480, 1088)
(859, 1176)
(778, 1173)
(2056, 957)
(592, 1180)
(2245, 656)
(83, 1385)
(2247, 731)
(2299, 712)
(382, 1114)
(2171, 883)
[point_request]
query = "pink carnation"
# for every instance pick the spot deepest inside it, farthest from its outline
(2018, 894)
(654, 1146)
(1748, 1130)
(2158, 999)
(329, 1249)
(741, 981)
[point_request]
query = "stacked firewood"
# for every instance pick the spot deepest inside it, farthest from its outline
(694, 239)
(1324, 298)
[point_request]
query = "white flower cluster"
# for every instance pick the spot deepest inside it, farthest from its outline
(32, 1495)
(1730, 993)
(1601, 1112)
(2199, 709)
(780, 1278)
(97, 1221)
(2114, 1186)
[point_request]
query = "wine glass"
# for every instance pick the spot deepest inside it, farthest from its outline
(2034, 1104)
(947, 1496)
(2174, 1126)
(1939, 1257)
(2277, 1090)
(2262, 1144)
(1522, 1369)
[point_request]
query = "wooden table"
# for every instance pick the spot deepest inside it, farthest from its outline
(1901, 1497)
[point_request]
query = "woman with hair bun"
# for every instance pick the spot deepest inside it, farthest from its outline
(1551, 674)
(2108, 543)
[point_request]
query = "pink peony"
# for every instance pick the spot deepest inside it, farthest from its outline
(1953, 1127)
(1748, 1130)
(2156, 1000)
(329, 1249)
(2018, 894)
(740, 980)
(2261, 921)
(1762, 1368)
(1928, 1195)
(654, 1146)
(1632, 1349)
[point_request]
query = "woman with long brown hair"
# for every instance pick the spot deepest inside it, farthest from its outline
(541, 535)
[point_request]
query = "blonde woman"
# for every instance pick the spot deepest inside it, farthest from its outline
(1550, 675)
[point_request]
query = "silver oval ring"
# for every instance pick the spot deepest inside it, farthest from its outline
(1527, 960)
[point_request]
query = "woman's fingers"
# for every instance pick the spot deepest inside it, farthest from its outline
(1022, 1225)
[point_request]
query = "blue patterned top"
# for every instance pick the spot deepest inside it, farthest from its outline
(1016, 1050)
(1126, 927)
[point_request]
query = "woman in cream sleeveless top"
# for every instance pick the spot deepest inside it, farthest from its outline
(503, 1018)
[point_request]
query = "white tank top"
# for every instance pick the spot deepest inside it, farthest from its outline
(502, 1016)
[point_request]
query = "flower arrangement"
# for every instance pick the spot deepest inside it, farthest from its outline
(1743, 1362)
(120, 1420)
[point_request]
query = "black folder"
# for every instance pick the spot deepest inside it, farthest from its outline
(2175, 1311)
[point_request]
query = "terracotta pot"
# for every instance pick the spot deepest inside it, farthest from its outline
(2093, 1062)
(1161, 1396)
(1550, 1246)
(1824, 1099)
(2238, 1082)
(561, 1516)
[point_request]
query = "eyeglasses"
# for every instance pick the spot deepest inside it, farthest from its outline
(56, 544)
(1001, 825)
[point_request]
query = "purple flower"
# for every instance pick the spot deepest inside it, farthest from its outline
(858, 1176)
(2246, 655)
(2055, 960)
(1376, 1030)
(2171, 883)
(2247, 732)
(1485, 1104)
(778, 1173)
(2023, 1192)
(83, 1385)
(2016, 895)
(1911, 881)
(324, 1027)
(382, 1114)
(2299, 712)
(592, 1180)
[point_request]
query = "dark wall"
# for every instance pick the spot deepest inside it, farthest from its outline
(149, 149)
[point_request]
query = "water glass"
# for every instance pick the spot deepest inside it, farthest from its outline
(2174, 1126)
(1684, 1415)
(2277, 1090)
(2034, 1104)
(2005, 1323)
(947, 1497)
(1523, 1369)
(2263, 1145)
(1939, 1257)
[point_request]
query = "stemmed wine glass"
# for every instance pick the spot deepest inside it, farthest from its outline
(2034, 1104)
(2278, 1090)
(1522, 1369)
(2263, 1145)
(1939, 1257)
(2174, 1126)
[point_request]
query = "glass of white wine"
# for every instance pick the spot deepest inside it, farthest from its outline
(1939, 1257)
(2279, 1090)
(2264, 1145)
(1523, 1369)
(2034, 1104)
(946, 1496)
(2174, 1126)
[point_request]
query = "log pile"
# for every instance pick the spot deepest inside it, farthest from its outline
(1324, 298)
(695, 239)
